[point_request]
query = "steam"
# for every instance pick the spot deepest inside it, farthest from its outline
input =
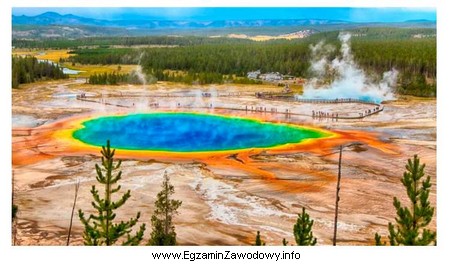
(143, 103)
(213, 97)
(319, 61)
(101, 107)
(140, 75)
(347, 79)
(138, 72)
(198, 99)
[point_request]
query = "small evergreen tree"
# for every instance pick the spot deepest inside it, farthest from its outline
(258, 241)
(377, 239)
(100, 229)
(302, 230)
(15, 209)
(410, 220)
(284, 242)
(163, 233)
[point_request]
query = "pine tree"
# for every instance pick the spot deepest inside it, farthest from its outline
(15, 209)
(163, 233)
(377, 239)
(258, 241)
(410, 220)
(100, 229)
(302, 230)
(284, 242)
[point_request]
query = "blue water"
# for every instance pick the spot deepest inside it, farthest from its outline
(188, 132)
(64, 69)
(70, 71)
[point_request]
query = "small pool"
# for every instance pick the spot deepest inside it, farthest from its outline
(64, 69)
(190, 132)
(70, 71)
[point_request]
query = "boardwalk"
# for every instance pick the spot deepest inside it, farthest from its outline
(374, 108)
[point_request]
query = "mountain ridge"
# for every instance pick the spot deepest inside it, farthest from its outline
(54, 18)
(55, 25)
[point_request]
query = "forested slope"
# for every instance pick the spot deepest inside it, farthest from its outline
(29, 69)
(212, 60)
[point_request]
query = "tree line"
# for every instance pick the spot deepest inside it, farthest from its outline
(65, 43)
(108, 78)
(364, 33)
(225, 59)
(415, 59)
(28, 69)
(190, 77)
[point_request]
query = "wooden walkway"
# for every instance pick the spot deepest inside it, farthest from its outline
(377, 107)
(167, 95)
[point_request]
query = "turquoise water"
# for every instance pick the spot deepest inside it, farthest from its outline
(188, 132)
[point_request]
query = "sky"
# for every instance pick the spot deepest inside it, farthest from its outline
(231, 13)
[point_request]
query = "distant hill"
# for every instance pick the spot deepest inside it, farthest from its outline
(54, 25)
(52, 18)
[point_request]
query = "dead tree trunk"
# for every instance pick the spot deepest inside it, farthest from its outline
(337, 199)
(14, 221)
(72, 212)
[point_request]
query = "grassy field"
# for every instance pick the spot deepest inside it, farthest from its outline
(263, 37)
(52, 55)
(87, 70)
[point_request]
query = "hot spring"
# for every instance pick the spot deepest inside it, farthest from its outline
(190, 132)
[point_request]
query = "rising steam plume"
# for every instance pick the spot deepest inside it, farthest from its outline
(347, 79)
